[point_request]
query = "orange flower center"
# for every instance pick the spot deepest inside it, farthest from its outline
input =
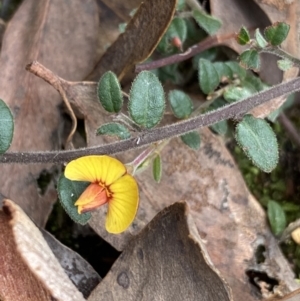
(94, 196)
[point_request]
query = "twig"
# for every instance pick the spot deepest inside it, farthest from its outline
(190, 52)
(234, 110)
(282, 54)
(39, 70)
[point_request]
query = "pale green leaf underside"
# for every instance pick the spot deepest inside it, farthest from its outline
(258, 141)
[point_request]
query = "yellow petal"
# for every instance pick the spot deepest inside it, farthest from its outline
(123, 206)
(93, 197)
(95, 169)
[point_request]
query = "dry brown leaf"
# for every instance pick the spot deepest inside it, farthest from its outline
(28, 269)
(139, 40)
(226, 214)
(63, 36)
(111, 14)
(166, 261)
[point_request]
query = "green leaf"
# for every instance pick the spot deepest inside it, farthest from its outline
(277, 33)
(243, 36)
(157, 169)
(208, 76)
(285, 64)
(68, 193)
(209, 54)
(169, 73)
(249, 59)
(255, 82)
(147, 101)
(261, 42)
(223, 71)
(109, 92)
(258, 141)
(276, 217)
(114, 129)
(181, 104)
(6, 127)
(177, 29)
(237, 70)
(192, 140)
(220, 127)
(210, 24)
(233, 93)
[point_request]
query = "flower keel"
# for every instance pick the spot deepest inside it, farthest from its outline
(93, 197)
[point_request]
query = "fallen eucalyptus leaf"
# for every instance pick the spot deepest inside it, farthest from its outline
(29, 270)
(137, 42)
(166, 261)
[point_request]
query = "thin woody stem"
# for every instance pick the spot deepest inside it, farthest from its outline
(234, 110)
(207, 43)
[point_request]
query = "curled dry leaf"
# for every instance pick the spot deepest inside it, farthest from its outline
(63, 35)
(166, 261)
(139, 40)
(29, 270)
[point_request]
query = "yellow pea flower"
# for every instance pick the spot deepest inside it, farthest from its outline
(111, 184)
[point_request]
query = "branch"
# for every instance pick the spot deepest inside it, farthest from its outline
(234, 110)
(207, 43)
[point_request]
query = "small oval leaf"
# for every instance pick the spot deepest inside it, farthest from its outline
(147, 101)
(237, 70)
(192, 140)
(109, 92)
(114, 129)
(233, 94)
(210, 24)
(68, 193)
(243, 36)
(277, 33)
(285, 64)
(276, 217)
(258, 141)
(208, 76)
(181, 104)
(249, 59)
(220, 127)
(223, 70)
(260, 40)
(157, 169)
(6, 127)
